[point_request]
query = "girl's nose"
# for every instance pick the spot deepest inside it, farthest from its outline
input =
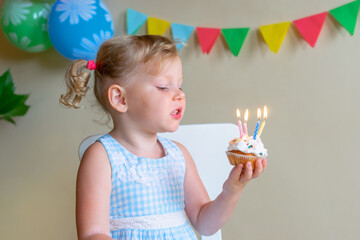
(179, 95)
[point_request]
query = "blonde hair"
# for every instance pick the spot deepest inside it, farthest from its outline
(117, 60)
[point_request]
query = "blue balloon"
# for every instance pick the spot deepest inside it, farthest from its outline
(78, 28)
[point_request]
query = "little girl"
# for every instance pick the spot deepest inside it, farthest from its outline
(133, 184)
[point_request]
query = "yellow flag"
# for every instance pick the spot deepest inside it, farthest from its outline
(157, 26)
(274, 34)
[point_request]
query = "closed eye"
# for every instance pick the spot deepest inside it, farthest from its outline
(161, 88)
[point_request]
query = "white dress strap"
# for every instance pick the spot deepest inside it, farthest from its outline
(167, 220)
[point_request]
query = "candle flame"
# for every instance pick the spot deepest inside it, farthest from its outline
(265, 112)
(238, 113)
(259, 113)
(246, 115)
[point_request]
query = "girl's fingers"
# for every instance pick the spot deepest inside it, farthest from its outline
(247, 175)
(232, 170)
(258, 168)
(236, 172)
(264, 163)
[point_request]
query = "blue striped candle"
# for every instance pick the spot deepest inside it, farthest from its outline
(263, 122)
(257, 124)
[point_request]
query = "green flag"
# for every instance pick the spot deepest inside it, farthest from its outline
(235, 38)
(346, 15)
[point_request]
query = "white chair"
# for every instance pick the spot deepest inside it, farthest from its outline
(207, 144)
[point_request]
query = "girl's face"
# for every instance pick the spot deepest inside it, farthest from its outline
(156, 103)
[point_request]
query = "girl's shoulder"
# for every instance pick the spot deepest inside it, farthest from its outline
(182, 149)
(179, 145)
(171, 145)
(94, 149)
(94, 167)
(95, 155)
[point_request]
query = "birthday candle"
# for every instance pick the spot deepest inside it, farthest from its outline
(245, 122)
(239, 123)
(263, 122)
(257, 123)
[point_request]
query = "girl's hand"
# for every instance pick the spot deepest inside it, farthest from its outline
(240, 175)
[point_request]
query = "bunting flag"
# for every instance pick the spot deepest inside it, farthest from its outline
(274, 34)
(157, 26)
(181, 34)
(235, 38)
(207, 37)
(310, 27)
(346, 15)
(134, 21)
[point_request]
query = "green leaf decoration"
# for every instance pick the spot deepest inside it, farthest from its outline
(11, 104)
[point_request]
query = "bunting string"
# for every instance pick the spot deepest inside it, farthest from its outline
(273, 34)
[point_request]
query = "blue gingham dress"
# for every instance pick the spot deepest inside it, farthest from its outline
(147, 196)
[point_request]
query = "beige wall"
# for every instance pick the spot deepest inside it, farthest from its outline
(311, 189)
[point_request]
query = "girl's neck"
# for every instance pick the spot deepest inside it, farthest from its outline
(138, 143)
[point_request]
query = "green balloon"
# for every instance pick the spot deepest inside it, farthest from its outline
(24, 23)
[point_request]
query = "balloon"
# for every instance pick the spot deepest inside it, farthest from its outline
(78, 28)
(24, 23)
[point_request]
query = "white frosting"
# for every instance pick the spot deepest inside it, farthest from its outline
(248, 145)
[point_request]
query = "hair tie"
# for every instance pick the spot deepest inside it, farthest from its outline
(91, 65)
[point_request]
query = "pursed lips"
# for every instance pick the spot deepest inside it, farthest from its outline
(177, 113)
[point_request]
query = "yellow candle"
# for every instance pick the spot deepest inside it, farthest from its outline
(263, 122)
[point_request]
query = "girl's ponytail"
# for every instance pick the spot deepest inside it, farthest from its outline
(76, 82)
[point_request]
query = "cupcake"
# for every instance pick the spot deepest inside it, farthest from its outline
(246, 149)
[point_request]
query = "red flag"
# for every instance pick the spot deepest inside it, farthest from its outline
(207, 37)
(310, 27)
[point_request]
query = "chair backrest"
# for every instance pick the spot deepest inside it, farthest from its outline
(207, 144)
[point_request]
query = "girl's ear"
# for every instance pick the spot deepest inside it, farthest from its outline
(117, 98)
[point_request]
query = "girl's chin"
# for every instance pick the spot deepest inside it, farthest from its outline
(172, 128)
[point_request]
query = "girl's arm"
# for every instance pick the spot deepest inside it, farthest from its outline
(93, 190)
(206, 216)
